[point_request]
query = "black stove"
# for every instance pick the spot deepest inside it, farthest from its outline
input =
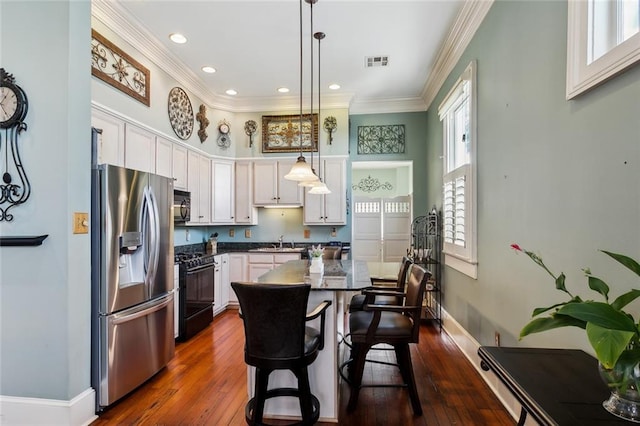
(193, 261)
(196, 297)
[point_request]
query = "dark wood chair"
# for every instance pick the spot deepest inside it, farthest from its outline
(395, 325)
(367, 295)
(277, 338)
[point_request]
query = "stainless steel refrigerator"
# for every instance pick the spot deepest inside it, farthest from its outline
(132, 279)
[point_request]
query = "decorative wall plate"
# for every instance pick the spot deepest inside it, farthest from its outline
(180, 113)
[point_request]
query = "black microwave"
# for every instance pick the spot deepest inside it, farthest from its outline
(181, 206)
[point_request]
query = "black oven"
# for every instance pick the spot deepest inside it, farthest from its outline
(196, 281)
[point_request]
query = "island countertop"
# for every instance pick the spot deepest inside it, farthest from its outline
(339, 275)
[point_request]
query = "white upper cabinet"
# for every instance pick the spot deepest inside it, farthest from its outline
(140, 149)
(179, 167)
(111, 140)
(223, 205)
(329, 209)
(164, 154)
(199, 184)
(245, 212)
(270, 187)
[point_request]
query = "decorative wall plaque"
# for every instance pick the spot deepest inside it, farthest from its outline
(281, 133)
(389, 139)
(116, 68)
(370, 184)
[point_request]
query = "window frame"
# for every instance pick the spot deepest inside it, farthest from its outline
(463, 259)
(582, 75)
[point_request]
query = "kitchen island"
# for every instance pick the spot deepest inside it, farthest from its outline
(338, 282)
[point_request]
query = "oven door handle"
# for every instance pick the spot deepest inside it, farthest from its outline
(200, 269)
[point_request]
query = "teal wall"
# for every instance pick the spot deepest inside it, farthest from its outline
(416, 150)
(558, 177)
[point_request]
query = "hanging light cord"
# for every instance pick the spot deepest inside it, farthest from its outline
(319, 36)
(300, 128)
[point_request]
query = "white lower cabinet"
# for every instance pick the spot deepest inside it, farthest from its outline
(260, 263)
(221, 283)
(237, 273)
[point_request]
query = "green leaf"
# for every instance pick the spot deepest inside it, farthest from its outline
(549, 323)
(538, 311)
(596, 284)
(625, 260)
(560, 282)
(624, 299)
(609, 344)
(600, 314)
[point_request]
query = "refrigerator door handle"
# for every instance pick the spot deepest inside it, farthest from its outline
(143, 310)
(150, 223)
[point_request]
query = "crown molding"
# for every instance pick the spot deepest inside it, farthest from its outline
(460, 35)
(391, 105)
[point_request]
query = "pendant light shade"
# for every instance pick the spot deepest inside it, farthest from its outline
(301, 171)
(320, 189)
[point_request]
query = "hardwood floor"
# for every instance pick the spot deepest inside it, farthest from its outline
(206, 384)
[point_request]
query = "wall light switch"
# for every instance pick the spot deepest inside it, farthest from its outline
(307, 233)
(80, 223)
(247, 233)
(232, 232)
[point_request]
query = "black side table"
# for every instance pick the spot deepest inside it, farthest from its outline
(554, 386)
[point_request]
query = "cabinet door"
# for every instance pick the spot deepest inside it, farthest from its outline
(288, 190)
(265, 178)
(224, 277)
(139, 149)
(164, 155)
(257, 269)
(218, 303)
(223, 206)
(244, 211)
(204, 190)
(193, 182)
(111, 141)
(179, 167)
(237, 273)
(313, 208)
(335, 204)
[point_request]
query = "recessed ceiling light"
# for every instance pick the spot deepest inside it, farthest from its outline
(283, 89)
(178, 38)
(334, 86)
(209, 70)
(231, 92)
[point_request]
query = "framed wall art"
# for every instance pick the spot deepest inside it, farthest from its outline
(281, 133)
(389, 139)
(116, 68)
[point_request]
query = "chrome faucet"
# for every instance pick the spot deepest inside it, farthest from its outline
(293, 245)
(280, 241)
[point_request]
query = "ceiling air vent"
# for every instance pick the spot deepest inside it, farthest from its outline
(376, 61)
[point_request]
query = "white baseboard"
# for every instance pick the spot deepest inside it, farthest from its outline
(469, 347)
(79, 411)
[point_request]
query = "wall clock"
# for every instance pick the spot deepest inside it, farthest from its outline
(13, 102)
(224, 140)
(180, 113)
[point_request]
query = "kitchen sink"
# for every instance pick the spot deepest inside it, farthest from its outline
(279, 250)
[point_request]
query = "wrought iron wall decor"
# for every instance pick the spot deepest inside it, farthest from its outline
(370, 184)
(116, 68)
(250, 128)
(281, 133)
(201, 116)
(388, 139)
(330, 125)
(13, 110)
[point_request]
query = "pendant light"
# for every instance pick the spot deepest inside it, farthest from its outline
(321, 187)
(301, 171)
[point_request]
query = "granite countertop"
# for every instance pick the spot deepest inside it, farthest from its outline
(339, 275)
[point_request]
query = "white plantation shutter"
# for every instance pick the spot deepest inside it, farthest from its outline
(457, 113)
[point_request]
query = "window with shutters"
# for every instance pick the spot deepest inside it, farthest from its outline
(457, 113)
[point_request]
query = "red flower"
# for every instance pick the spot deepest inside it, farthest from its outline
(516, 247)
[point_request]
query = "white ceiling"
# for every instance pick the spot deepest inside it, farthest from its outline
(255, 47)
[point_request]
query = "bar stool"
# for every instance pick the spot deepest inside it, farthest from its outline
(277, 338)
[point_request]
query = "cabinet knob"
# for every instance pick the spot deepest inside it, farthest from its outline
(248, 217)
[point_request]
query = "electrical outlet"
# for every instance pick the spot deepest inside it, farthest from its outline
(307, 233)
(80, 223)
(497, 338)
(333, 232)
(232, 232)
(247, 233)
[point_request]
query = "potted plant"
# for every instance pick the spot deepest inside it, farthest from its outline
(612, 332)
(316, 267)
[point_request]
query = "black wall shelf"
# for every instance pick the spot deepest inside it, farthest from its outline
(22, 241)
